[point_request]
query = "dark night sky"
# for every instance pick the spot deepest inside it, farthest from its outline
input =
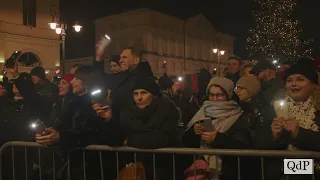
(229, 16)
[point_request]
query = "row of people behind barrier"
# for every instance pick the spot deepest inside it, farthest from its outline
(139, 115)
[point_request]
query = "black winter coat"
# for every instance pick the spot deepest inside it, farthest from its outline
(151, 128)
(154, 131)
(237, 137)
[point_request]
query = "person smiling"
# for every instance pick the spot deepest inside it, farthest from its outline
(301, 130)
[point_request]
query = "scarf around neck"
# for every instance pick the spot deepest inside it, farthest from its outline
(223, 114)
(146, 113)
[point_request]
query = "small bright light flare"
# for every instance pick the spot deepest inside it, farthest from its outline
(222, 52)
(215, 50)
(33, 125)
(180, 78)
(107, 37)
(279, 66)
(215, 69)
(165, 62)
(58, 30)
(47, 72)
(96, 92)
(77, 28)
(53, 25)
(282, 103)
(274, 61)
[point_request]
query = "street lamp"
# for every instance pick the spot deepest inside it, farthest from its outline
(77, 27)
(219, 53)
(60, 28)
(53, 23)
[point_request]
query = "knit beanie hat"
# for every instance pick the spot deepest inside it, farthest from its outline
(304, 67)
(165, 82)
(68, 77)
(148, 84)
(116, 59)
(38, 71)
(252, 84)
(224, 83)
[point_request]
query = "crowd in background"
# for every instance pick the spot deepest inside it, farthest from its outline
(131, 107)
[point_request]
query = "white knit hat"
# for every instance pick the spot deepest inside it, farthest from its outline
(225, 83)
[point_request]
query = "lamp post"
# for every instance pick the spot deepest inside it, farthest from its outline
(219, 53)
(60, 27)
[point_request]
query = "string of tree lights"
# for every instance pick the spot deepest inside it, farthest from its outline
(276, 35)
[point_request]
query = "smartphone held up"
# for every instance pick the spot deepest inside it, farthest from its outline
(10, 63)
(99, 96)
(39, 127)
(104, 42)
(207, 124)
(281, 109)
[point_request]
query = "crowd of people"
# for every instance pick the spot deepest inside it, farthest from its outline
(131, 107)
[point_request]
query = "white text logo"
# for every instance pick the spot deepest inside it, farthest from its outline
(298, 166)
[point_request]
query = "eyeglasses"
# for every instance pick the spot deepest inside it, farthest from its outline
(218, 95)
(239, 88)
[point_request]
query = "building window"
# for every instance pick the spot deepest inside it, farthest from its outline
(155, 43)
(204, 53)
(176, 48)
(173, 47)
(29, 12)
(29, 59)
(199, 53)
(193, 50)
(169, 47)
(164, 46)
(181, 48)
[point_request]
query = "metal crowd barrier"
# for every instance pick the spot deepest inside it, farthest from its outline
(173, 151)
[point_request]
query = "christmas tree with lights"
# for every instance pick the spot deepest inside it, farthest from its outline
(276, 36)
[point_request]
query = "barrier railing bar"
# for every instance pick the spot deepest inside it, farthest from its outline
(239, 169)
(262, 168)
(54, 165)
(13, 164)
(194, 167)
(154, 166)
(174, 166)
(117, 158)
(191, 151)
(84, 165)
(69, 168)
(40, 170)
(26, 161)
(101, 165)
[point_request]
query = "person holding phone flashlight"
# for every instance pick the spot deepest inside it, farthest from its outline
(303, 106)
(296, 126)
(80, 126)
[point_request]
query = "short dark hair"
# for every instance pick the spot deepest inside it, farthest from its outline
(76, 65)
(236, 58)
(134, 51)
